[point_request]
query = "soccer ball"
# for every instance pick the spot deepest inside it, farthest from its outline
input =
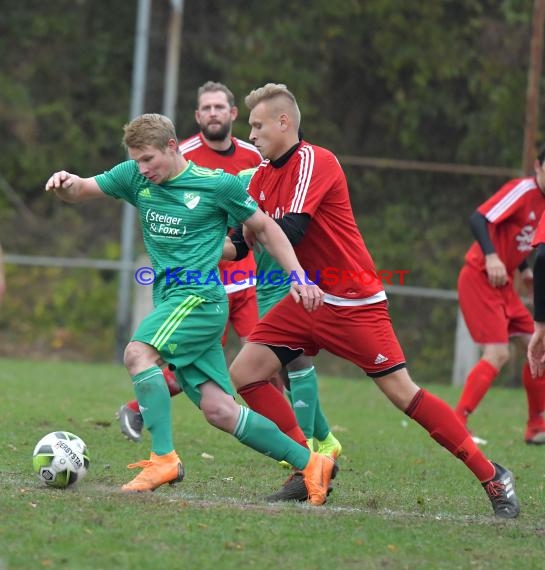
(60, 459)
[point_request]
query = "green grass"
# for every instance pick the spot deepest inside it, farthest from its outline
(400, 501)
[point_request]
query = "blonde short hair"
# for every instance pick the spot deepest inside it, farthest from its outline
(279, 95)
(149, 129)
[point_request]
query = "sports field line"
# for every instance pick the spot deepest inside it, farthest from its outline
(189, 500)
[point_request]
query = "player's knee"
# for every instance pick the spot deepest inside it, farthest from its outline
(138, 356)
(218, 413)
(497, 355)
(398, 387)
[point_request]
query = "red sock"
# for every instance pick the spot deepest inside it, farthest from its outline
(170, 379)
(535, 393)
(477, 384)
(133, 405)
(443, 425)
(262, 397)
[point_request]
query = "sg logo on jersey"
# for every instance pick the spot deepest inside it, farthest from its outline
(191, 199)
(525, 238)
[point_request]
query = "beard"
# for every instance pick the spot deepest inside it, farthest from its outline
(218, 134)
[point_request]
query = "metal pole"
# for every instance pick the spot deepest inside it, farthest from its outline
(140, 62)
(174, 42)
(532, 92)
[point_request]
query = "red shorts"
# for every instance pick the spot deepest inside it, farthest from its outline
(242, 313)
(363, 335)
(492, 314)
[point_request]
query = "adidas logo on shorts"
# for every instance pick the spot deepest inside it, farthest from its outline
(380, 359)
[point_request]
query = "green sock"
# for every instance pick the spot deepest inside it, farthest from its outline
(154, 401)
(321, 425)
(259, 433)
(287, 393)
(305, 401)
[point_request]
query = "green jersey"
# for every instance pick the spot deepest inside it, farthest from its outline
(272, 283)
(184, 223)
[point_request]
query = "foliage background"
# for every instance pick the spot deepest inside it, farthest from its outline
(441, 81)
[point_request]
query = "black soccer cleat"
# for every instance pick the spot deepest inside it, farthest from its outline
(131, 423)
(501, 492)
(294, 488)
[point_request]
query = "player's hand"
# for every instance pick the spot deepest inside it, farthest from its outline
(64, 184)
(536, 351)
(495, 269)
(309, 293)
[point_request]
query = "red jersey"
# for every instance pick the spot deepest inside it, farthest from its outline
(241, 156)
(539, 236)
(513, 213)
(332, 251)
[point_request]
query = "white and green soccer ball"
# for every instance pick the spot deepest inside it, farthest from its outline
(60, 459)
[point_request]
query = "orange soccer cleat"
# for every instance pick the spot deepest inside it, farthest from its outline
(156, 471)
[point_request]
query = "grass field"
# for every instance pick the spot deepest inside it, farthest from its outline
(400, 501)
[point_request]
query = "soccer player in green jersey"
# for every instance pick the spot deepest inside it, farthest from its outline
(183, 211)
(272, 285)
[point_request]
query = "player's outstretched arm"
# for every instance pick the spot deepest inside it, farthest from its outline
(72, 188)
(274, 240)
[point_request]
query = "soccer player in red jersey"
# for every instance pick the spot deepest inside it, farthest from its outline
(536, 346)
(213, 147)
(303, 187)
(503, 227)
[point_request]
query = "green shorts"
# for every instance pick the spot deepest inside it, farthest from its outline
(187, 331)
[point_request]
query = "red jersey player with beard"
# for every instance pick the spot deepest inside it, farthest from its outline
(304, 188)
(214, 147)
(503, 227)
